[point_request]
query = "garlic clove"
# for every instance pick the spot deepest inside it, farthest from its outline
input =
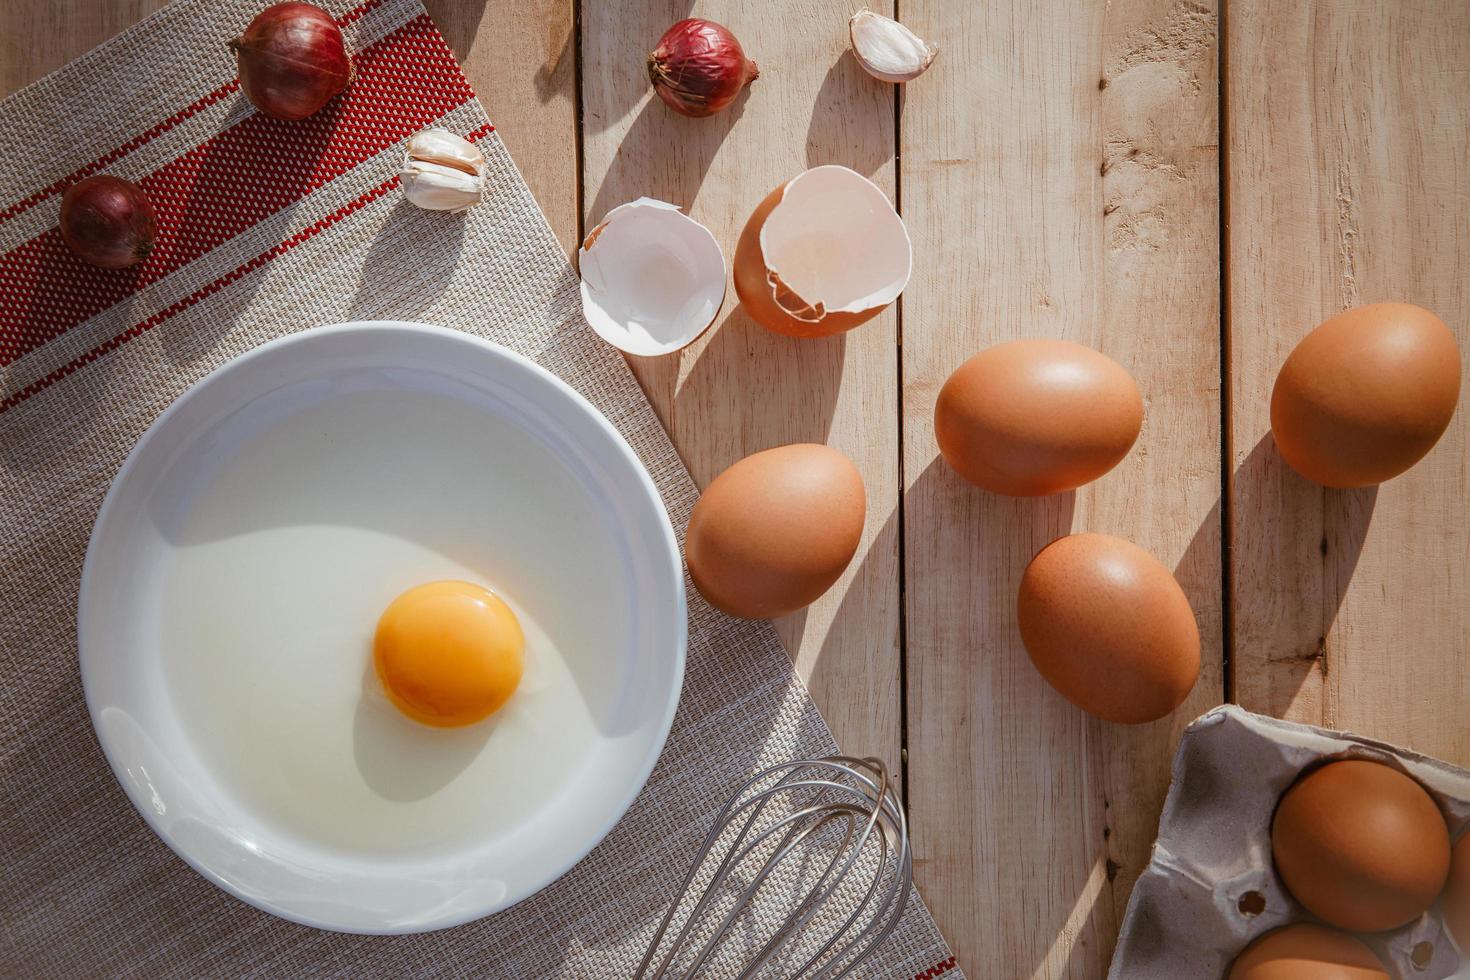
(442, 171)
(886, 49)
(446, 149)
(436, 187)
(653, 278)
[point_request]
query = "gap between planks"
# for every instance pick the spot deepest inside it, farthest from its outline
(1227, 465)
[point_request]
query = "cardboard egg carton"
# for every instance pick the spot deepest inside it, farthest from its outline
(1210, 889)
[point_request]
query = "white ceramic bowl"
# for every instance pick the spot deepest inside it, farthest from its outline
(151, 733)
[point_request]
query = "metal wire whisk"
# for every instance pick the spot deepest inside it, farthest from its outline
(804, 874)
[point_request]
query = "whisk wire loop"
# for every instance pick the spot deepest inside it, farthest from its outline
(761, 868)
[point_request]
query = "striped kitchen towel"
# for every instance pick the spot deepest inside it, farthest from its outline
(267, 228)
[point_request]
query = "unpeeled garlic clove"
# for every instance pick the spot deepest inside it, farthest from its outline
(886, 49)
(442, 171)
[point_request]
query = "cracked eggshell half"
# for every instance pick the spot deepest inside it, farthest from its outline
(823, 253)
(653, 278)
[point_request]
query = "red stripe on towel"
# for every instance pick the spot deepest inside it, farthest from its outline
(138, 329)
(232, 182)
(148, 136)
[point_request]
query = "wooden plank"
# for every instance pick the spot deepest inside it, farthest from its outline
(1060, 178)
(740, 389)
(522, 62)
(38, 36)
(1349, 183)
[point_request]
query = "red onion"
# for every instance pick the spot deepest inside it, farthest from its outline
(108, 221)
(292, 60)
(698, 67)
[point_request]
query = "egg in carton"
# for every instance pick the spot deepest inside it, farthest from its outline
(1210, 888)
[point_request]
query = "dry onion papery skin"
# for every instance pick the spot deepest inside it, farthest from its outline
(108, 221)
(698, 68)
(292, 60)
(775, 304)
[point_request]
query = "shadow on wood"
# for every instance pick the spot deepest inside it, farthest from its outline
(847, 93)
(1004, 735)
(1198, 573)
(1301, 515)
(876, 630)
(990, 572)
(458, 21)
(749, 389)
(647, 23)
(690, 145)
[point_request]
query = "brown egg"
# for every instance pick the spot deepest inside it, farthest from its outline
(1365, 395)
(1033, 417)
(1361, 845)
(775, 530)
(1304, 951)
(1109, 628)
(1456, 901)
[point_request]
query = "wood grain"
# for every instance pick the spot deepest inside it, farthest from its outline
(740, 389)
(521, 59)
(1349, 183)
(1059, 177)
(39, 36)
(1060, 180)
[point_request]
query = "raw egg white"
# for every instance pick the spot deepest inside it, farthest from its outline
(333, 520)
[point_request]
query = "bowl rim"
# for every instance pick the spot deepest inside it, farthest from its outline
(670, 551)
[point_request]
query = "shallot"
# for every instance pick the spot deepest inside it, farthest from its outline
(292, 60)
(108, 221)
(699, 68)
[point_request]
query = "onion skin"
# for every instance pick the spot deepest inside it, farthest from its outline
(292, 60)
(108, 221)
(698, 68)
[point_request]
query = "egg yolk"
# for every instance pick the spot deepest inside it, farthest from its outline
(448, 653)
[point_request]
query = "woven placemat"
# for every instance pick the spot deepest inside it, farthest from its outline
(266, 229)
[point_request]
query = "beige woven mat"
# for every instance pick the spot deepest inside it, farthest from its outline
(270, 229)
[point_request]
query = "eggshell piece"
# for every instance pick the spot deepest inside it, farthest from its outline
(1035, 417)
(823, 253)
(1366, 395)
(1361, 845)
(1456, 901)
(776, 530)
(1108, 626)
(1307, 951)
(653, 278)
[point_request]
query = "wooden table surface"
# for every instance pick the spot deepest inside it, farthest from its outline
(1188, 187)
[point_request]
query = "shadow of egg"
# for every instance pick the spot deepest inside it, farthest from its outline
(403, 760)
